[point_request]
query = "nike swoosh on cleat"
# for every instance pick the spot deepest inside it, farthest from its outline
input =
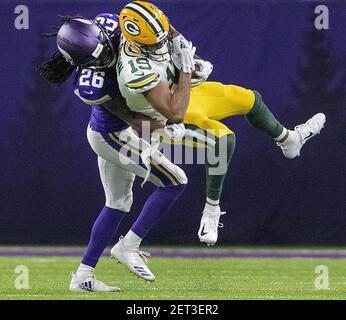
(203, 233)
(310, 134)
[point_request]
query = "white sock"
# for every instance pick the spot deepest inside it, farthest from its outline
(211, 207)
(282, 135)
(132, 240)
(213, 202)
(83, 269)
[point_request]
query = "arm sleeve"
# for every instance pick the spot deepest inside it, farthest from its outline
(89, 100)
(96, 87)
(143, 83)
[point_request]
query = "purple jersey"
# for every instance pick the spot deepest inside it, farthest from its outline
(95, 87)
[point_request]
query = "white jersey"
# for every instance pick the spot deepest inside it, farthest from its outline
(138, 74)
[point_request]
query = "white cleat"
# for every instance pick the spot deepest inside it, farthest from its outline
(89, 283)
(208, 230)
(133, 259)
(302, 133)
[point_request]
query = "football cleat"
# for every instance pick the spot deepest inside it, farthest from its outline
(133, 259)
(208, 230)
(89, 283)
(302, 133)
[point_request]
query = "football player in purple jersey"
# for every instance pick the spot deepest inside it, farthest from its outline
(89, 48)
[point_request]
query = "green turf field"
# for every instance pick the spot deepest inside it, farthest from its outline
(178, 278)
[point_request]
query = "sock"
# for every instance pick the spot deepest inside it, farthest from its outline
(213, 202)
(103, 231)
(156, 206)
(291, 139)
(214, 182)
(85, 270)
(282, 135)
(262, 119)
(132, 240)
(211, 208)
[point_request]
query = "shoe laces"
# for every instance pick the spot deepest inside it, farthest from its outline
(220, 224)
(213, 216)
(144, 255)
(303, 130)
(141, 256)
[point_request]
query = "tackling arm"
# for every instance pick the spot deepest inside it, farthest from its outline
(119, 108)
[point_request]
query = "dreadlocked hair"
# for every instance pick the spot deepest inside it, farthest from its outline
(56, 69)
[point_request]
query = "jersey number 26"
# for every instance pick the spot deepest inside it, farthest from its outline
(92, 78)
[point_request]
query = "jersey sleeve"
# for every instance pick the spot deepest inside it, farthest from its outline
(143, 83)
(89, 100)
(95, 87)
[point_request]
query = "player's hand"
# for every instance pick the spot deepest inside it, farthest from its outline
(175, 131)
(202, 72)
(182, 56)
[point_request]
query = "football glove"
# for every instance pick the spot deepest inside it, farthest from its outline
(175, 131)
(182, 56)
(205, 68)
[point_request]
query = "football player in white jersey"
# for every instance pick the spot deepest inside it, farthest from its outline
(145, 79)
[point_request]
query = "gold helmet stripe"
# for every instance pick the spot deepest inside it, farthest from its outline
(144, 13)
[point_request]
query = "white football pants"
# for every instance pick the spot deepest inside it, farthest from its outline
(119, 161)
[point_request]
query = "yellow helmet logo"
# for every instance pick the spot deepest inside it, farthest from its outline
(143, 23)
(132, 28)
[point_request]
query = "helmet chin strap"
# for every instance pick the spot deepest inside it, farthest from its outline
(113, 62)
(161, 54)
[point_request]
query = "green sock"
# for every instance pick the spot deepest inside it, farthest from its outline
(216, 171)
(261, 118)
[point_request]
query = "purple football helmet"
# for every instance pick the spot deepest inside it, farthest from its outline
(86, 43)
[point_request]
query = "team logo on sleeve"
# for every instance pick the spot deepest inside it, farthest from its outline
(132, 28)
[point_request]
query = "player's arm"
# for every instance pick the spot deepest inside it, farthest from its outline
(119, 108)
(96, 88)
(171, 105)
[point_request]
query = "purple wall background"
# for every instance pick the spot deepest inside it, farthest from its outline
(49, 184)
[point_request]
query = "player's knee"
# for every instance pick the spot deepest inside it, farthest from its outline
(258, 102)
(120, 203)
(258, 96)
(225, 145)
(231, 142)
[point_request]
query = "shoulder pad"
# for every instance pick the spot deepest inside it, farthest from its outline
(109, 21)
